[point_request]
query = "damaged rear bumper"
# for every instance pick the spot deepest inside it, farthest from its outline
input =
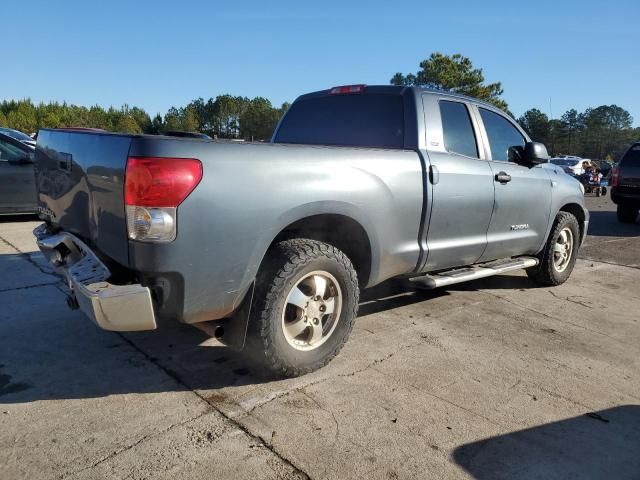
(122, 308)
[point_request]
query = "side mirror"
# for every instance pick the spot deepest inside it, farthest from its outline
(533, 153)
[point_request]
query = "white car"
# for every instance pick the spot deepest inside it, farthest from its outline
(571, 165)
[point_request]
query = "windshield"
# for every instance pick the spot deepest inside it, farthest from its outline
(16, 134)
(564, 162)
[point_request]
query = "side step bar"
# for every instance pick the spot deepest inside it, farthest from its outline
(473, 272)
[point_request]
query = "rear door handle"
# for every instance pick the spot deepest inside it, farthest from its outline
(503, 177)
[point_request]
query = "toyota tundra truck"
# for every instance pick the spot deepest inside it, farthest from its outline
(267, 245)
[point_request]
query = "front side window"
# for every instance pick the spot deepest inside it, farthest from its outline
(502, 134)
(457, 129)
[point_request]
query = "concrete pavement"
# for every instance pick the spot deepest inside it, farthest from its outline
(492, 379)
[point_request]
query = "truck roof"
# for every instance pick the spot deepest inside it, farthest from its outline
(399, 90)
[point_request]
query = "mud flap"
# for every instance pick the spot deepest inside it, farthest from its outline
(234, 331)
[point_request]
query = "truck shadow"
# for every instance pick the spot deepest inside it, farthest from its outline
(49, 352)
(26, 217)
(393, 294)
(605, 224)
(597, 445)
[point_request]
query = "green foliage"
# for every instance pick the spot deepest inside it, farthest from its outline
(225, 116)
(453, 73)
(258, 119)
(537, 125)
(601, 132)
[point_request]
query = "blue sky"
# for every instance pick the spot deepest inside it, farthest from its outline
(163, 53)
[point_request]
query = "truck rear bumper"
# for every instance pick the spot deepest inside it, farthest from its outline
(122, 308)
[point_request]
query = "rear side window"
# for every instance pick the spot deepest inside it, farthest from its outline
(502, 134)
(356, 120)
(457, 129)
(632, 157)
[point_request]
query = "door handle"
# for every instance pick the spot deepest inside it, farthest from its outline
(503, 177)
(434, 174)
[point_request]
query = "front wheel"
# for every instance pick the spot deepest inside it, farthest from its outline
(304, 307)
(558, 256)
(627, 213)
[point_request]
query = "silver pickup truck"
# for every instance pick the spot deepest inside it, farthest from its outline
(266, 246)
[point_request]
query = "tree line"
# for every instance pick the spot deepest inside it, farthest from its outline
(225, 116)
(602, 132)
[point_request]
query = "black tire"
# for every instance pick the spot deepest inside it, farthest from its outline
(285, 264)
(546, 273)
(627, 213)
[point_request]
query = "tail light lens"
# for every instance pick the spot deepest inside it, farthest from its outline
(615, 176)
(160, 182)
(153, 189)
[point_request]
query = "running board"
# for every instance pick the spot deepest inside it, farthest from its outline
(473, 272)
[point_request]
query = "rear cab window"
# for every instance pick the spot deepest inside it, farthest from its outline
(502, 134)
(457, 129)
(354, 120)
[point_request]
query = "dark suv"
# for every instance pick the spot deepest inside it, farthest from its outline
(625, 185)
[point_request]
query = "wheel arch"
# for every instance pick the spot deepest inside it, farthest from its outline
(339, 230)
(349, 235)
(577, 211)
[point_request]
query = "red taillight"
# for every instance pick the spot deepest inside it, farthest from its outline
(615, 177)
(160, 182)
(347, 89)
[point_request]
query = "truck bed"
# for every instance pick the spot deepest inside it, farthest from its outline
(248, 194)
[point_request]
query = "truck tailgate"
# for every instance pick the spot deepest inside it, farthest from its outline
(80, 180)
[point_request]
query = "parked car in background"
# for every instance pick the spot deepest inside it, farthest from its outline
(18, 135)
(571, 165)
(17, 178)
(625, 185)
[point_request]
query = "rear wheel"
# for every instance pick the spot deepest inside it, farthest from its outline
(558, 256)
(627, 213)
(304, 307)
